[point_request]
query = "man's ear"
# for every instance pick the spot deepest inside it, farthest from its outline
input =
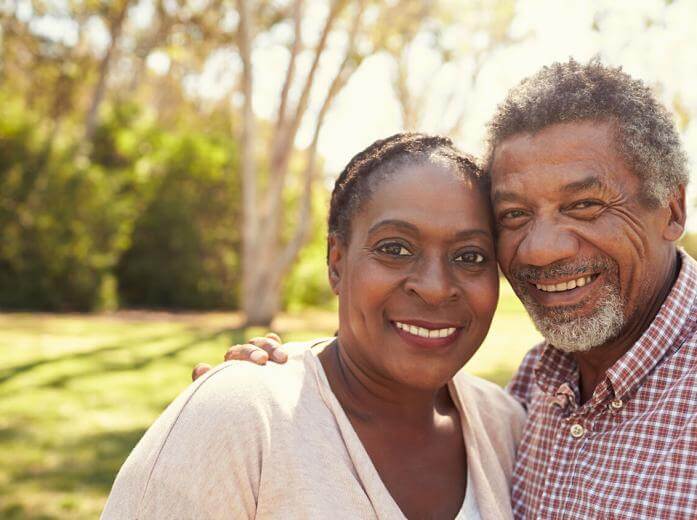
(677, 215)
(335, 261)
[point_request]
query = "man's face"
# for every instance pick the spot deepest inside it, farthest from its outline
(577, 244)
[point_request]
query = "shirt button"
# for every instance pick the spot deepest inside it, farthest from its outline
(577, 431)
(616, 404)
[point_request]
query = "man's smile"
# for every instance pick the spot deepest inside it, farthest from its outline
(564, 293)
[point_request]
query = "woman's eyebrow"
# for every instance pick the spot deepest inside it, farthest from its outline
(472, 233)
(394, 223)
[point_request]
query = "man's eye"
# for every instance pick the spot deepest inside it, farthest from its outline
(394, 249)
(471, 257)
(584, 204)
(512, 214)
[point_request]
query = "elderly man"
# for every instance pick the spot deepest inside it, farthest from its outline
(588, 187)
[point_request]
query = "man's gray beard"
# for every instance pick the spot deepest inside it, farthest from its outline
(562, 327)
(571, 333)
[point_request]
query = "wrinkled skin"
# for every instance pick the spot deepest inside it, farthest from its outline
(566, 205)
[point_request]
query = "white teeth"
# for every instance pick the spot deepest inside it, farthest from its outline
(425, 333)
(564, 286)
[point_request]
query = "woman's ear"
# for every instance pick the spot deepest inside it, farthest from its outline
(335, 257)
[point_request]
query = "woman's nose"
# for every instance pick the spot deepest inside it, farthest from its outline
(433, 281)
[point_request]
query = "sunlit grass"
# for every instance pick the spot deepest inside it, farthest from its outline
(77, 392)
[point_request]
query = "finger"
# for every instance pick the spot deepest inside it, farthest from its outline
(247, 352)
(199, 370)
(271, 347)
(274, 336)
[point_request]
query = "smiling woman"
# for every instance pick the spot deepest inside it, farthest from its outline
(411, 259)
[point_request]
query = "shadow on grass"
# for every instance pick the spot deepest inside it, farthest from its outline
(87, 466)
(97, 366)
(91, 461)
(10, 372)
(111, 367)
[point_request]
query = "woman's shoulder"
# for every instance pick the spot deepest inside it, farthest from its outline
(239, 387)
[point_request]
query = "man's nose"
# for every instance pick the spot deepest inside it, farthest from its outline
(545, 243)
(433, 281)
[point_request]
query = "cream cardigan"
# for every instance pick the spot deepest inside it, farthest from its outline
(247, 441)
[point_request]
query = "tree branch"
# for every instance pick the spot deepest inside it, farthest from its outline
(290, 73)
(98, 94)
(304, 226)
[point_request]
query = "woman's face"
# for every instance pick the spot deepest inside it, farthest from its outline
(417, 282)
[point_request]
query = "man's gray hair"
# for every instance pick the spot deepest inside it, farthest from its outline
(645, 133)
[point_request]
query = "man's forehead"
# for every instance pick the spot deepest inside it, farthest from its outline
(557, 142)
(561, 154)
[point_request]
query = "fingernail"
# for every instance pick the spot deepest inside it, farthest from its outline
(257, 356)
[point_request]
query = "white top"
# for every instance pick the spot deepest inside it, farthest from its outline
(246, 441)
(470, 508)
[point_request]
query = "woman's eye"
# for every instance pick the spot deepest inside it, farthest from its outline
(394, 249)
(470, 258)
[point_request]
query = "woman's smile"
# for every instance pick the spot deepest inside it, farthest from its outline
(426, 335)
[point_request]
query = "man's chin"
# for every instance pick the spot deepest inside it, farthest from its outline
(571, 330)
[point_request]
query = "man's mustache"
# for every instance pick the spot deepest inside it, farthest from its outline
(580, 267)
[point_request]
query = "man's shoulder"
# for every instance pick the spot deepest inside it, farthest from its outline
(523, 380)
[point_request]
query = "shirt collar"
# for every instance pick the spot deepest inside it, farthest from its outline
(662, 336)
(555, 367)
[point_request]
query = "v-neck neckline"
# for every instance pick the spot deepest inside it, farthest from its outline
(383, 503)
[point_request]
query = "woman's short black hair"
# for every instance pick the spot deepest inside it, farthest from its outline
(387, 156)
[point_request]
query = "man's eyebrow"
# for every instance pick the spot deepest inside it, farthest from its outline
(401, 224)
(505, 196)
(583, 184)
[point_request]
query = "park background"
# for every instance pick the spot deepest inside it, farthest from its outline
(165, 168)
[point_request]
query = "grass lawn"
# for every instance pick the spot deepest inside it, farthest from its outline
(77, 392)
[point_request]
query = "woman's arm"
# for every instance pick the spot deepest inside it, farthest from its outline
(200, 459)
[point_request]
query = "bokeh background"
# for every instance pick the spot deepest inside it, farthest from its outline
(165, 168)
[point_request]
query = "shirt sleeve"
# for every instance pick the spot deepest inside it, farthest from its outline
(201, 459)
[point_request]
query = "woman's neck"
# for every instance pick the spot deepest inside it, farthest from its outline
(371, 398)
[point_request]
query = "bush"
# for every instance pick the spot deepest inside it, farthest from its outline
(61, 224)
(185, 245)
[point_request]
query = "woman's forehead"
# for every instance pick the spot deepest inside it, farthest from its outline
(427, 194)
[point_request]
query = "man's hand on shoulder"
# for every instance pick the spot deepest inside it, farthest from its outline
(256, 350)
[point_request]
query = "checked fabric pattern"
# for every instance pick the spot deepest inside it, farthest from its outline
(630, 452)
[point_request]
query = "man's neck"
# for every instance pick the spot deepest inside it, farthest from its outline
(594, 364)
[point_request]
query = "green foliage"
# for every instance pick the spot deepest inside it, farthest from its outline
(63, 218)
(185, 250)
(689, 243)
(149, 217)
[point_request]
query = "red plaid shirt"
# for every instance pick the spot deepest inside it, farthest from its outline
(631, 450)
